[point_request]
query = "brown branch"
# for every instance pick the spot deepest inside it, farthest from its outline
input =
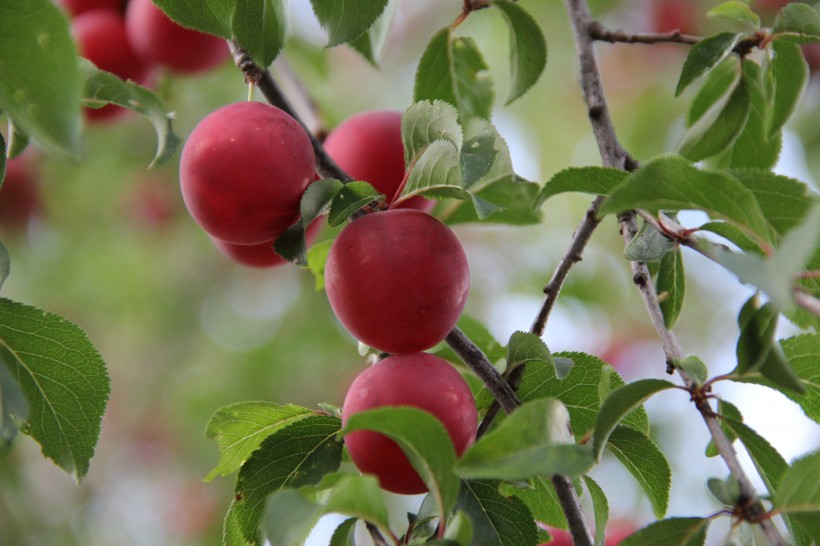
(613, 155)
(263, 79)
(599, 32)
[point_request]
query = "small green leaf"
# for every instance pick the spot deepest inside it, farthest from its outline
(346, 20)
(648, 245)
(40, 80)
(18, 141)
(424, 441)
(671, 286)
(620, 403)
(737, 12)
(647, 464)
(601, 507)
(716, 85)
(704, 56)
(528, 48)
(798, 18)
(790, 75)
(524, 348)
(317, 198)
(426, 122)
(5, 264)
(535, 440)
(13, 409)
(352, 197)
(459, 529)
(260, 27)
(453, 70)
(103, 88)
(289, 518)
(670, 182)
(540, 497)
(345, 534)
(240, 428)
(291, 244)
(671, 532)
(63, 379)
(694, 368)
(595, 180)
(757, 328)
(799, 495)
(316, 258)
(296, 455)
(209, 16)
(726, 491)
(497, 520)
(719, 126)
(753, 148)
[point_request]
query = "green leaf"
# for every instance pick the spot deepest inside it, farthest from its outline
(671, 532)
(317, 198)
(291, 244)
(371, 43)
(740, 535)
(647, 464)
(232, 529)
(298, 454)
(757, 328)
(524, 348)
(2, 161)
(595, 180)
(497, 520)
(783, 200)
(289, 518)
(670, 182)
(601, 507)
(478, 156)
(753, 147)
(726, 491)
(535, 440)
(18, 141)
(578, 391)
(802, 353)
(240, 428)
(620, 403)
(528, 48)
(769, 463)
(671, 286)
(790, 75)
(694, 368)
(345, 534)
(103, 88)
(705, 55)
(718, 127)
(648, 245)
(316, 259)
(346, 20)
(210, 16)
(64, 381)
(539, 495)
(424, 441)
(459, 529)
(260, 27)
(13, 409)
(426, 122)
(726, 410)
(515, 195)
(716, 85)
(799, 495)
(798, 18)
(352, 197)
(437, 171)
(737, 12)
(453, 70)
(40, 80)
(734, 234)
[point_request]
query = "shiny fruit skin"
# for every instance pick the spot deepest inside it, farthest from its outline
(262, 255)
(243, 171)
(77, 7)
(100, 36)
(397, 280)
(160, 40)
(420, 380)
(368, 146)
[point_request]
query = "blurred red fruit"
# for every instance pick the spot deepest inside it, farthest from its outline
(262, 254)
(76, 7)
(20, 194)
(671, 15)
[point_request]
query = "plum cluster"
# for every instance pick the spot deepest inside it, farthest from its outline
(396, 279)
(133, 39)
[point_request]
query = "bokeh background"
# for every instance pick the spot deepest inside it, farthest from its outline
(184, 331)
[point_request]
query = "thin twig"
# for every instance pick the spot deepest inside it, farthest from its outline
(613, 155)
(600, 33)
(375, 534)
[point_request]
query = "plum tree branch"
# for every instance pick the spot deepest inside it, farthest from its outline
(613, 155)
(263, 79)
(598, 32)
